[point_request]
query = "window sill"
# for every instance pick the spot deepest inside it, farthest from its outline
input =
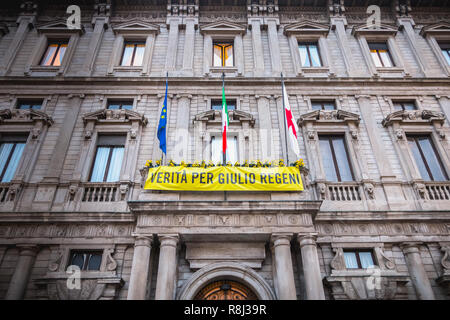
(390, 70)
(123, 68)
(223, 69)
(315, 69)
(45, 69)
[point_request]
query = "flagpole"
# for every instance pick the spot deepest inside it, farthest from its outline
(224, 155)
(162, 152)
(285, 122)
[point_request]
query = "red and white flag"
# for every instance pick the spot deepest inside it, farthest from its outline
(291, 124)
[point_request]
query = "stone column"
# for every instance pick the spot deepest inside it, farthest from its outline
(137, 288)
(311, 267)
(100, 24)
(172, 46)
(283, 266)
(19, 280)
(189, 42)
(338, 24)
(167, 268)
(417, 271)
(274, 46)
(258, 57)
(181, 147)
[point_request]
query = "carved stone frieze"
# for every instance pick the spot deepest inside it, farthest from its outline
(24, 116)
(114, 116)
(413, 116)
(324, 116)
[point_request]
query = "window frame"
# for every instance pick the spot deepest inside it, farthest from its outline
(214, 101)
(99, 252)
(111, 148)
(120, 102)
(358, 259)
(424, 157)
(219, 136)
(308, 44)
(223, 42)
(15, 140)
(446, 48)
(135, 45)
(322, 104)
(59, 43)
(372, 47)
(402, 105)
(333, 153)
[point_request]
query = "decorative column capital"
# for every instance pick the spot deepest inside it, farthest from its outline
(281, 239)
(307, 240)
(143, 240)
(169, 239)
(410, 247)
(28, 249)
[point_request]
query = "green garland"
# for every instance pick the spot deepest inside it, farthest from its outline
(252, 164)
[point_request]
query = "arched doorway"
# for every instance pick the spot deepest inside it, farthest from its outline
(225, 290)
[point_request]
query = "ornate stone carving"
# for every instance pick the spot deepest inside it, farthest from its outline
(421, 189)
(399, 134)
(133, 134)
(336, 7)
(28, 8)
(370, 189)
(445, 261)
(413, 116)
(30, 115)
(88, 134)
(72, 191)
(108, 115)
(54, 265)
(388, 263)
(111, 264)
(322, 189)
(338, 261)
(123, 191)
(403, 7)
(102, 8)
(354, 134)
(318, 116)
(35, 132)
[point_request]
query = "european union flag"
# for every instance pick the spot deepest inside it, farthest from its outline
(163, 123)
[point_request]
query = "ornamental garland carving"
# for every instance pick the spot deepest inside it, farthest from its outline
(413, 116)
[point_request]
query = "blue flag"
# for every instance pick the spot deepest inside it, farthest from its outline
(163, 123)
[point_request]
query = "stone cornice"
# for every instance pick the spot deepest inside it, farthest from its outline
(21, 116)
(325, 116)
(413, 117)
(113, 116)
(235, 116)
(65, 217)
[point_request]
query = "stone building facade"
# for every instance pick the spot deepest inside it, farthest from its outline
(147, 244)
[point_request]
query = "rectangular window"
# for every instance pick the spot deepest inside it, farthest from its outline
(216, 149)
(86, 260)
(336, 162)
(445, 48)
(323, 105)
(217, 104)
(29, 104)
(133, 54)
(380, 55)
(358, 259)
(115, 105)
(54, 54)
(108, 159)
(427, 158)
(11, 149)
(309, 55)
(223, 54)
(404, 105)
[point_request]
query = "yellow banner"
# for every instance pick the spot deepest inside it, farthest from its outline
(224, 179)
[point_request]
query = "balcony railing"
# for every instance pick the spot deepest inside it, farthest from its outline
(435, 191)
(103, 192)
(4, 189)
(343, 191)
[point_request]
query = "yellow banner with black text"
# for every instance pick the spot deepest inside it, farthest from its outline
(224, 178)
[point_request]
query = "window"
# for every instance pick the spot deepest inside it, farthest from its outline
(380, 55)
(11, 150)
(445, 48)
(108, 159)
(336, 162)
(133, 54)
(309, 55)
(216, 149)
(54, 54)
(114, 105)
(323, 105)
(86, 260)
(223, 54)
(404, 105)
(217, 104)
(427, 159)
(31, 104)
(358, 259)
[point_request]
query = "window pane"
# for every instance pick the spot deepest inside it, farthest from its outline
(113, 106)
(77, 260)
(327, 159)
(386, 58)
(127, 55)
(432, 159)
(232, 149)
(98, 172)
(36, 106)
(418, 158)
(409, 106)
(376, 58)
(217, 56)
(116, 165)
(366, 259)
(5, 150)
(329, 106)
(304, 56)
(49, 54)
(127, 106)
(14, 162)
(216, 149)
(446, 54)
(60, 55)
(398, 106)
(95, 260)
(229, 56)
(314, 55)
(350, 260)
(316, 106)
(139, 55)
(342, 159)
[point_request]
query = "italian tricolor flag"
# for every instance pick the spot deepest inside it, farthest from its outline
(225, 122)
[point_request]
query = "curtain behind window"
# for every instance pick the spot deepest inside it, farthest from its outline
(98, 172)
(115, 165)
(350, 260)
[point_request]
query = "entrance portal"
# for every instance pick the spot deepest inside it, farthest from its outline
(225, 290)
